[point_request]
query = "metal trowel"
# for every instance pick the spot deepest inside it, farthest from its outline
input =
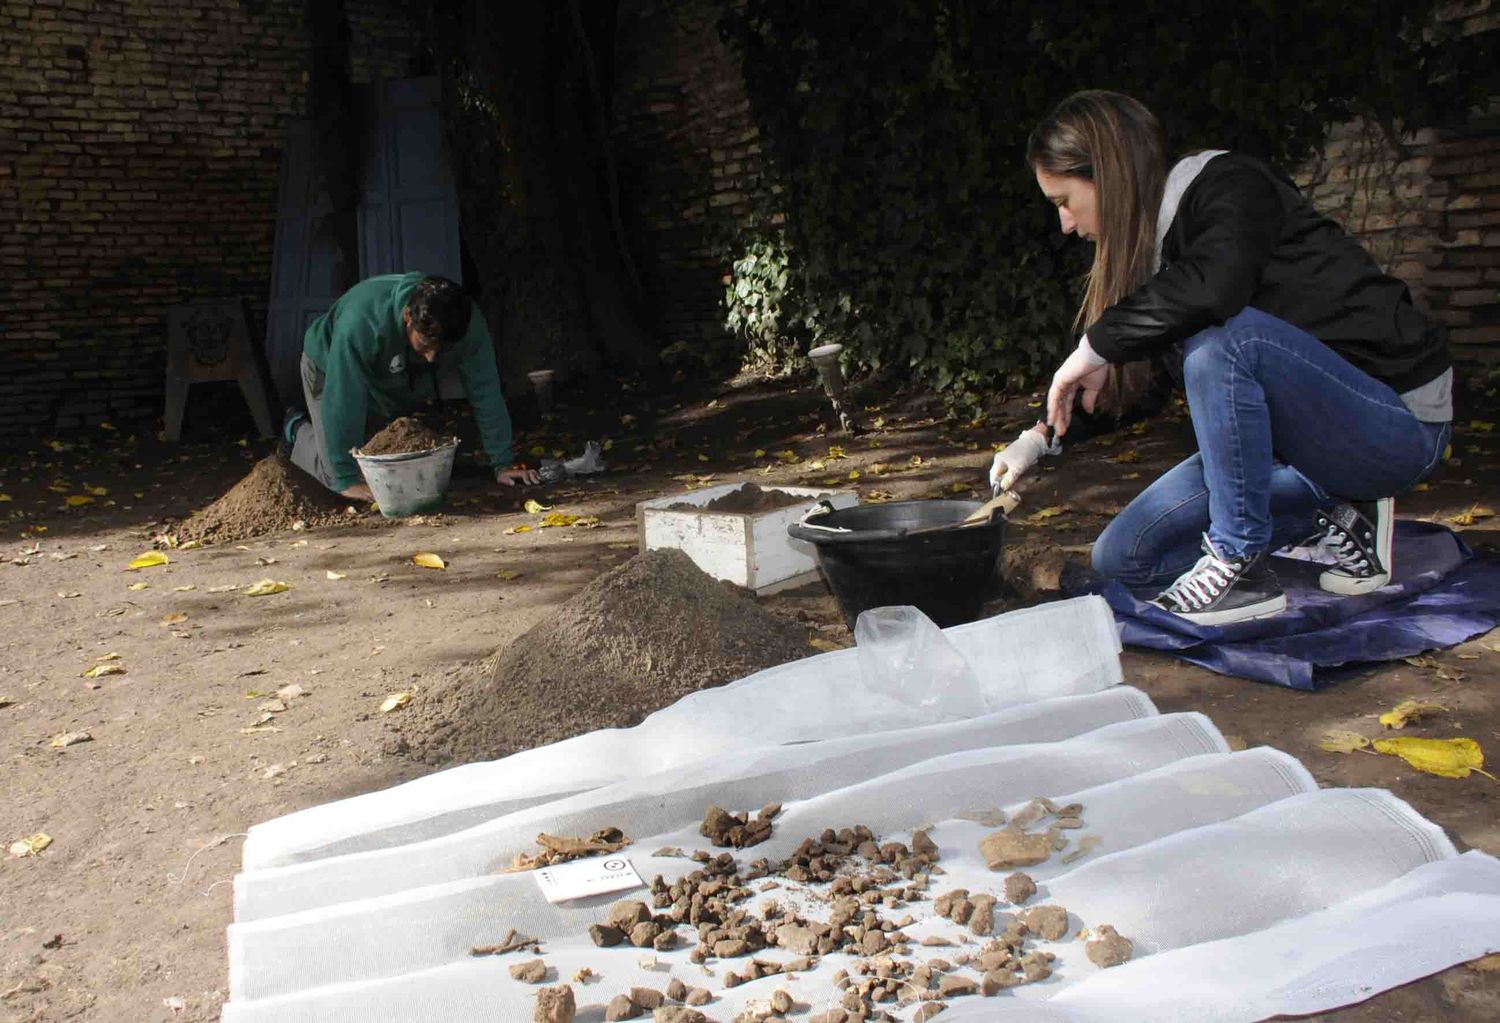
(1004, 501)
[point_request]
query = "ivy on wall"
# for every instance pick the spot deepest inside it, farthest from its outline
(901, 220)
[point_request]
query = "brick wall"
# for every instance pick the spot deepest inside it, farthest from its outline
(688, 151)
(1427, 204)
(139, 146)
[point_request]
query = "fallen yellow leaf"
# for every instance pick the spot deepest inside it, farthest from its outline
(1043, 514)
(789, 457)
(553, 520)
(915, 461)
(1127, 456)
(1480, 426)
(1408, 711)
(426, 560)
(759, 453)
(265, 588)
(331, 574)
(816, 465)
(854, 474)
(175, 618)
(184, 589)
(507, 574)
(100, 670)
(519, 529)
(1446, 758)
(31, 845)
(138, 587)
(97, 491)
(536, 507)
(79, 500)
(1341, 740)
(66, 739)
(826, 645)
(148, 560)
(1471, 516)
(835, 452)
(395, 702)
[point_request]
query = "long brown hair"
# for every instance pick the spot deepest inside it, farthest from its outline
(1115, 142)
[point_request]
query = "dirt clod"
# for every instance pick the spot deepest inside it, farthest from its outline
(605, 936)
(636, 639)
(533, 971)
(723, 828)
(554, 1005)
(1018, 888)
(621, 1007)
(1051, 922)
(1108, 947)
(403, 436)
(678, 1014)
(647, 997)
(273, 496)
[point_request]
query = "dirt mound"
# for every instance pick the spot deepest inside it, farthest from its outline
(748, 499)
(403, 436)
(633, 641)
(275, 495)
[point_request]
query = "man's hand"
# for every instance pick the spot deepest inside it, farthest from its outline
(510, 477)
(1077, 375)
(358, 492)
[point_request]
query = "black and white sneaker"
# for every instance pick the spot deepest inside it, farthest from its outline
(1358, 535)
(1219, 590)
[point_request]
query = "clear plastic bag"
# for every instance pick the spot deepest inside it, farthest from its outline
(904, 655)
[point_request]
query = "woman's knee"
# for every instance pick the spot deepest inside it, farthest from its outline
(1112, 555)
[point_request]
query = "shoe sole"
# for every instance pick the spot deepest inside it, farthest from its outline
(1353, 586)
(1250, 612)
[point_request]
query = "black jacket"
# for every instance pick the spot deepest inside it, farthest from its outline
(1244, 236)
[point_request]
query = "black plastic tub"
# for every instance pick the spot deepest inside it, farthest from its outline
(906, 552)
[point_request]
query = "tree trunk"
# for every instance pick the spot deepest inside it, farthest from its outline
(533, 188)
(330, 105)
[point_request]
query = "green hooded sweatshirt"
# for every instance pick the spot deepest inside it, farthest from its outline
(369, 365)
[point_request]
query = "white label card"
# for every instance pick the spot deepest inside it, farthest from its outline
(581, 878)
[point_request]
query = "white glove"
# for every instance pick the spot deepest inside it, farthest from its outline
(1014, 461)
(1084, 373)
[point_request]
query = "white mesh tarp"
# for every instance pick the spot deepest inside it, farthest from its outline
(1218, 865)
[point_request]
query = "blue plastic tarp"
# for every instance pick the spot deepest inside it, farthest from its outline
(1441, 593)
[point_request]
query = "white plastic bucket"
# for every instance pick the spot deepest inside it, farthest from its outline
(411, 483)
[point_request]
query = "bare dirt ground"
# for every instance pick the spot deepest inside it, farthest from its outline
(122, 917)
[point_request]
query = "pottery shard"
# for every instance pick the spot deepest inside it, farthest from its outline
(533, 971)
(621, 1007)
(951, 985)
(1107, 948)
(554, 1005)
(1011, 847)
(1051, 922)
(647, 997)
(698, 996)
(643, 934)
(1018, 888)
(797, 940)
(625, 915)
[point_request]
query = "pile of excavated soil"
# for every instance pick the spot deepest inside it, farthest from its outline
(404, 436)
(748, 499)
(634, 640)
(275, 495)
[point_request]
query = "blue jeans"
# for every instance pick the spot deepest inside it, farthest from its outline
(1285, 426)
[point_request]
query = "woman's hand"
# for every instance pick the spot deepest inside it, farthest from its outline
(1078, 375)
(510, 477)
(1016, 459)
